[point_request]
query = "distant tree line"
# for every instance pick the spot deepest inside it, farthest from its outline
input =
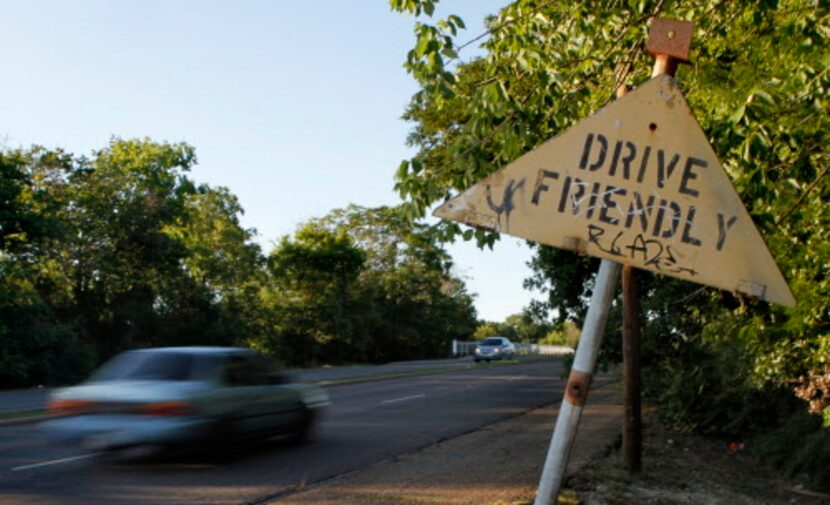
(122, 250)
(530, 326)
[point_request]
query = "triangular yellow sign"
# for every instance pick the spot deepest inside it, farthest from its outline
(636, 183)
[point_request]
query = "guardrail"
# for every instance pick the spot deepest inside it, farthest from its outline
(467, 348)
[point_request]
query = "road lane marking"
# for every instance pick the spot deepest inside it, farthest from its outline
(405, 398)
(54, 462)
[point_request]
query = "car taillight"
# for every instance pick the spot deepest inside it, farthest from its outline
(69, 406)
(167, 409)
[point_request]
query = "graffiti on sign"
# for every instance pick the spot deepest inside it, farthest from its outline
(637, 183)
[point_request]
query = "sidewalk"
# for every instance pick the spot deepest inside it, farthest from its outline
(497, 465)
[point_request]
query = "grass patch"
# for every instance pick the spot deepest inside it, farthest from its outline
(567, 497)
(426, 371)
(680, 468)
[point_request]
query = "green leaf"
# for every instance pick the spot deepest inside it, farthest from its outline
(422, 46)
(403, 168)
(417, 166)
(764, 96)
(449, 52)
(738, 115)
(457, 21)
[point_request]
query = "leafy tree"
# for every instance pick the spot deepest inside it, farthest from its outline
(363, 285)
(127, 269)
(115, 251)
(759, 84)
(36, 345)
(309, 292)
(221, 254)
(121, 249)
(415, 306)
(224, 265)
(488, 329)
(529, 327)
(521, 327)
(17, 219)
(566, 334)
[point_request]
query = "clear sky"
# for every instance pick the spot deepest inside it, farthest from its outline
(293, 105)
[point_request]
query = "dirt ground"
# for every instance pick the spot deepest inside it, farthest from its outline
(685, 469)
(501, 463)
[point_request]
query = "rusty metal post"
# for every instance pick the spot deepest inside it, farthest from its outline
(669, 42)
(632, 441)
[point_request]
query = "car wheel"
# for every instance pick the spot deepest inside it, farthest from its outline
(477, 360)
(306, 431)
(223, 439)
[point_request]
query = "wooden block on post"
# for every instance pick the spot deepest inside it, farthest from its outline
(670, 37)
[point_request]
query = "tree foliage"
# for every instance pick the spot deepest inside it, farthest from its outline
(122, 249)
(521, 327)
(366, 285)
(759, 85)
(111, 252)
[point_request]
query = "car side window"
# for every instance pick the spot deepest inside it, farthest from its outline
(259, 369)
(277, 375)
(271, 370)
(253, 370)
(238, 371)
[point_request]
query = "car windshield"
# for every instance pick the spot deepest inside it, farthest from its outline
(491, 341)
(160, 366)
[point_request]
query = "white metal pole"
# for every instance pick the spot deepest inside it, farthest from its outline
(579, 381)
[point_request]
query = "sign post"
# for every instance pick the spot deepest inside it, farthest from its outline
(669, 42)
(632, 432)
(636, 183)
(579, 381)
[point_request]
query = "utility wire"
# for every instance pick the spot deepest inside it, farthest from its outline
(498, 27)
(803, 197)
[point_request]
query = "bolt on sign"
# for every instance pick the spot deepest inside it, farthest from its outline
(636, 183)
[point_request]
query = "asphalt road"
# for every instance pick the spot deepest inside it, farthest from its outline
(35, 398)
(368, 422)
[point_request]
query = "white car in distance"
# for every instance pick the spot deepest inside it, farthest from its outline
(494, 348)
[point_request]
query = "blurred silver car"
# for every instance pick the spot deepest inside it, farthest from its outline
(177, 395)
(494, 348)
